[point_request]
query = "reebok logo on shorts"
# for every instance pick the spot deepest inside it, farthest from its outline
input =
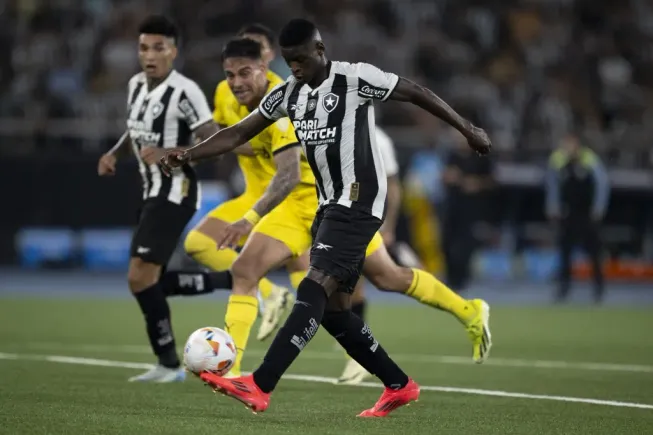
(323, 246)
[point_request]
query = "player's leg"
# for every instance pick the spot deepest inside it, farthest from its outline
(259, 255)
(340, 238)
(354, 373)
(160, 226)
(201, 245)
(280, 300)
(420, 285)
(289, 223)
(275, 239)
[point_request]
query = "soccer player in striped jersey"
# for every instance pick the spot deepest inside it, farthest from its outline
(331, 107)
(164, 109)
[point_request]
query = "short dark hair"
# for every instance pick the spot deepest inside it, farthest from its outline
(296, 32)
(258, 29)
(242, 47)
(159, 25)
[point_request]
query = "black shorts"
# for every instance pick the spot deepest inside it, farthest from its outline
(340, 239)
(160, 225)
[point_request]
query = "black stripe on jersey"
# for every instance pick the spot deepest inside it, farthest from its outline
(285, 147)
(141, 115)
(159, 123)
(158, 126)
(132, 98)
(187, 108)
(309, 150)
(364, 167)
(336, 118)
(184, 136)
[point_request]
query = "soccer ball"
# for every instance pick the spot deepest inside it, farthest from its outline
(209, 349)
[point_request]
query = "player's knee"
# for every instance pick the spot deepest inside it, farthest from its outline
(245, 277)
(142, 275)
(390, 279)
(197, 242)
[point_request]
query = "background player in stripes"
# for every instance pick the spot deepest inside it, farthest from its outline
(164, 109)
(352, 188)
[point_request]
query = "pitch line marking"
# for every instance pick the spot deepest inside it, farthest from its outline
(408, 358)
(327, 380)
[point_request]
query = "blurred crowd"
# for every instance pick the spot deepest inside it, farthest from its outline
(526, 70)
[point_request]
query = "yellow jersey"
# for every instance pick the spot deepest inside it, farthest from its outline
(259, 169)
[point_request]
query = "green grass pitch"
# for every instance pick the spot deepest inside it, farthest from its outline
(542, 358)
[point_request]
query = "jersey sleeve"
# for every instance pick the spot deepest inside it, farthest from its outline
(193, 106)
(272, 105)
(375, 84)
(283, 136)
(387, 153)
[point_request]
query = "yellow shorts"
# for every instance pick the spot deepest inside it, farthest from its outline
(290, 223)
(375, 244)
(234, 210)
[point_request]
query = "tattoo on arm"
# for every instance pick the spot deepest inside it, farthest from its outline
(283, 182)
(412, 92)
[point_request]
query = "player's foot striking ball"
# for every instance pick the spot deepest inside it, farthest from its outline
(331, 107)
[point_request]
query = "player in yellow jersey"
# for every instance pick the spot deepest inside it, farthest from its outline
(200, 244)
(274, 232)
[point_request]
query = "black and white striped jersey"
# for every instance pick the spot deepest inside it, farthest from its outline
(335, 124)
(166, 117)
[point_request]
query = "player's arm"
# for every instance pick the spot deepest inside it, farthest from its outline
(228, 139)
(243, 150)
(286, 177)
(380, 85)
(107, 162)
(394, 203)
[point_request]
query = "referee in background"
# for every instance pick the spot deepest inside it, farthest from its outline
(577, 194)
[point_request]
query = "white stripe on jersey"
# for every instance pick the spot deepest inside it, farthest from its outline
(387, 148)
(381, 176)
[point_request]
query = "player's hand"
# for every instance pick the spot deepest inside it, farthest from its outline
(107, 165)
(151, 155)
(478, 140)
(233, 233)
(173, 159)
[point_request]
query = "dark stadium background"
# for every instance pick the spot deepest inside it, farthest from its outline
(525, 70)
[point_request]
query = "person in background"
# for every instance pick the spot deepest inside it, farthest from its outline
(467, 179)
(577, 195)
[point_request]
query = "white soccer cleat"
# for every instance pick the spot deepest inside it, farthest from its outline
(353, 374)
(276, 305)
(161, 375)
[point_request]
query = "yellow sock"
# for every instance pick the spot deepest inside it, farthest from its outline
(296, 278)
(241, 315)
(205, 251)
(428, 290)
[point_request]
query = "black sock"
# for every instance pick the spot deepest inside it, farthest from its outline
(159, 329)
(359, 309)
(300, 327)
(356, 337)
(183, 283)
